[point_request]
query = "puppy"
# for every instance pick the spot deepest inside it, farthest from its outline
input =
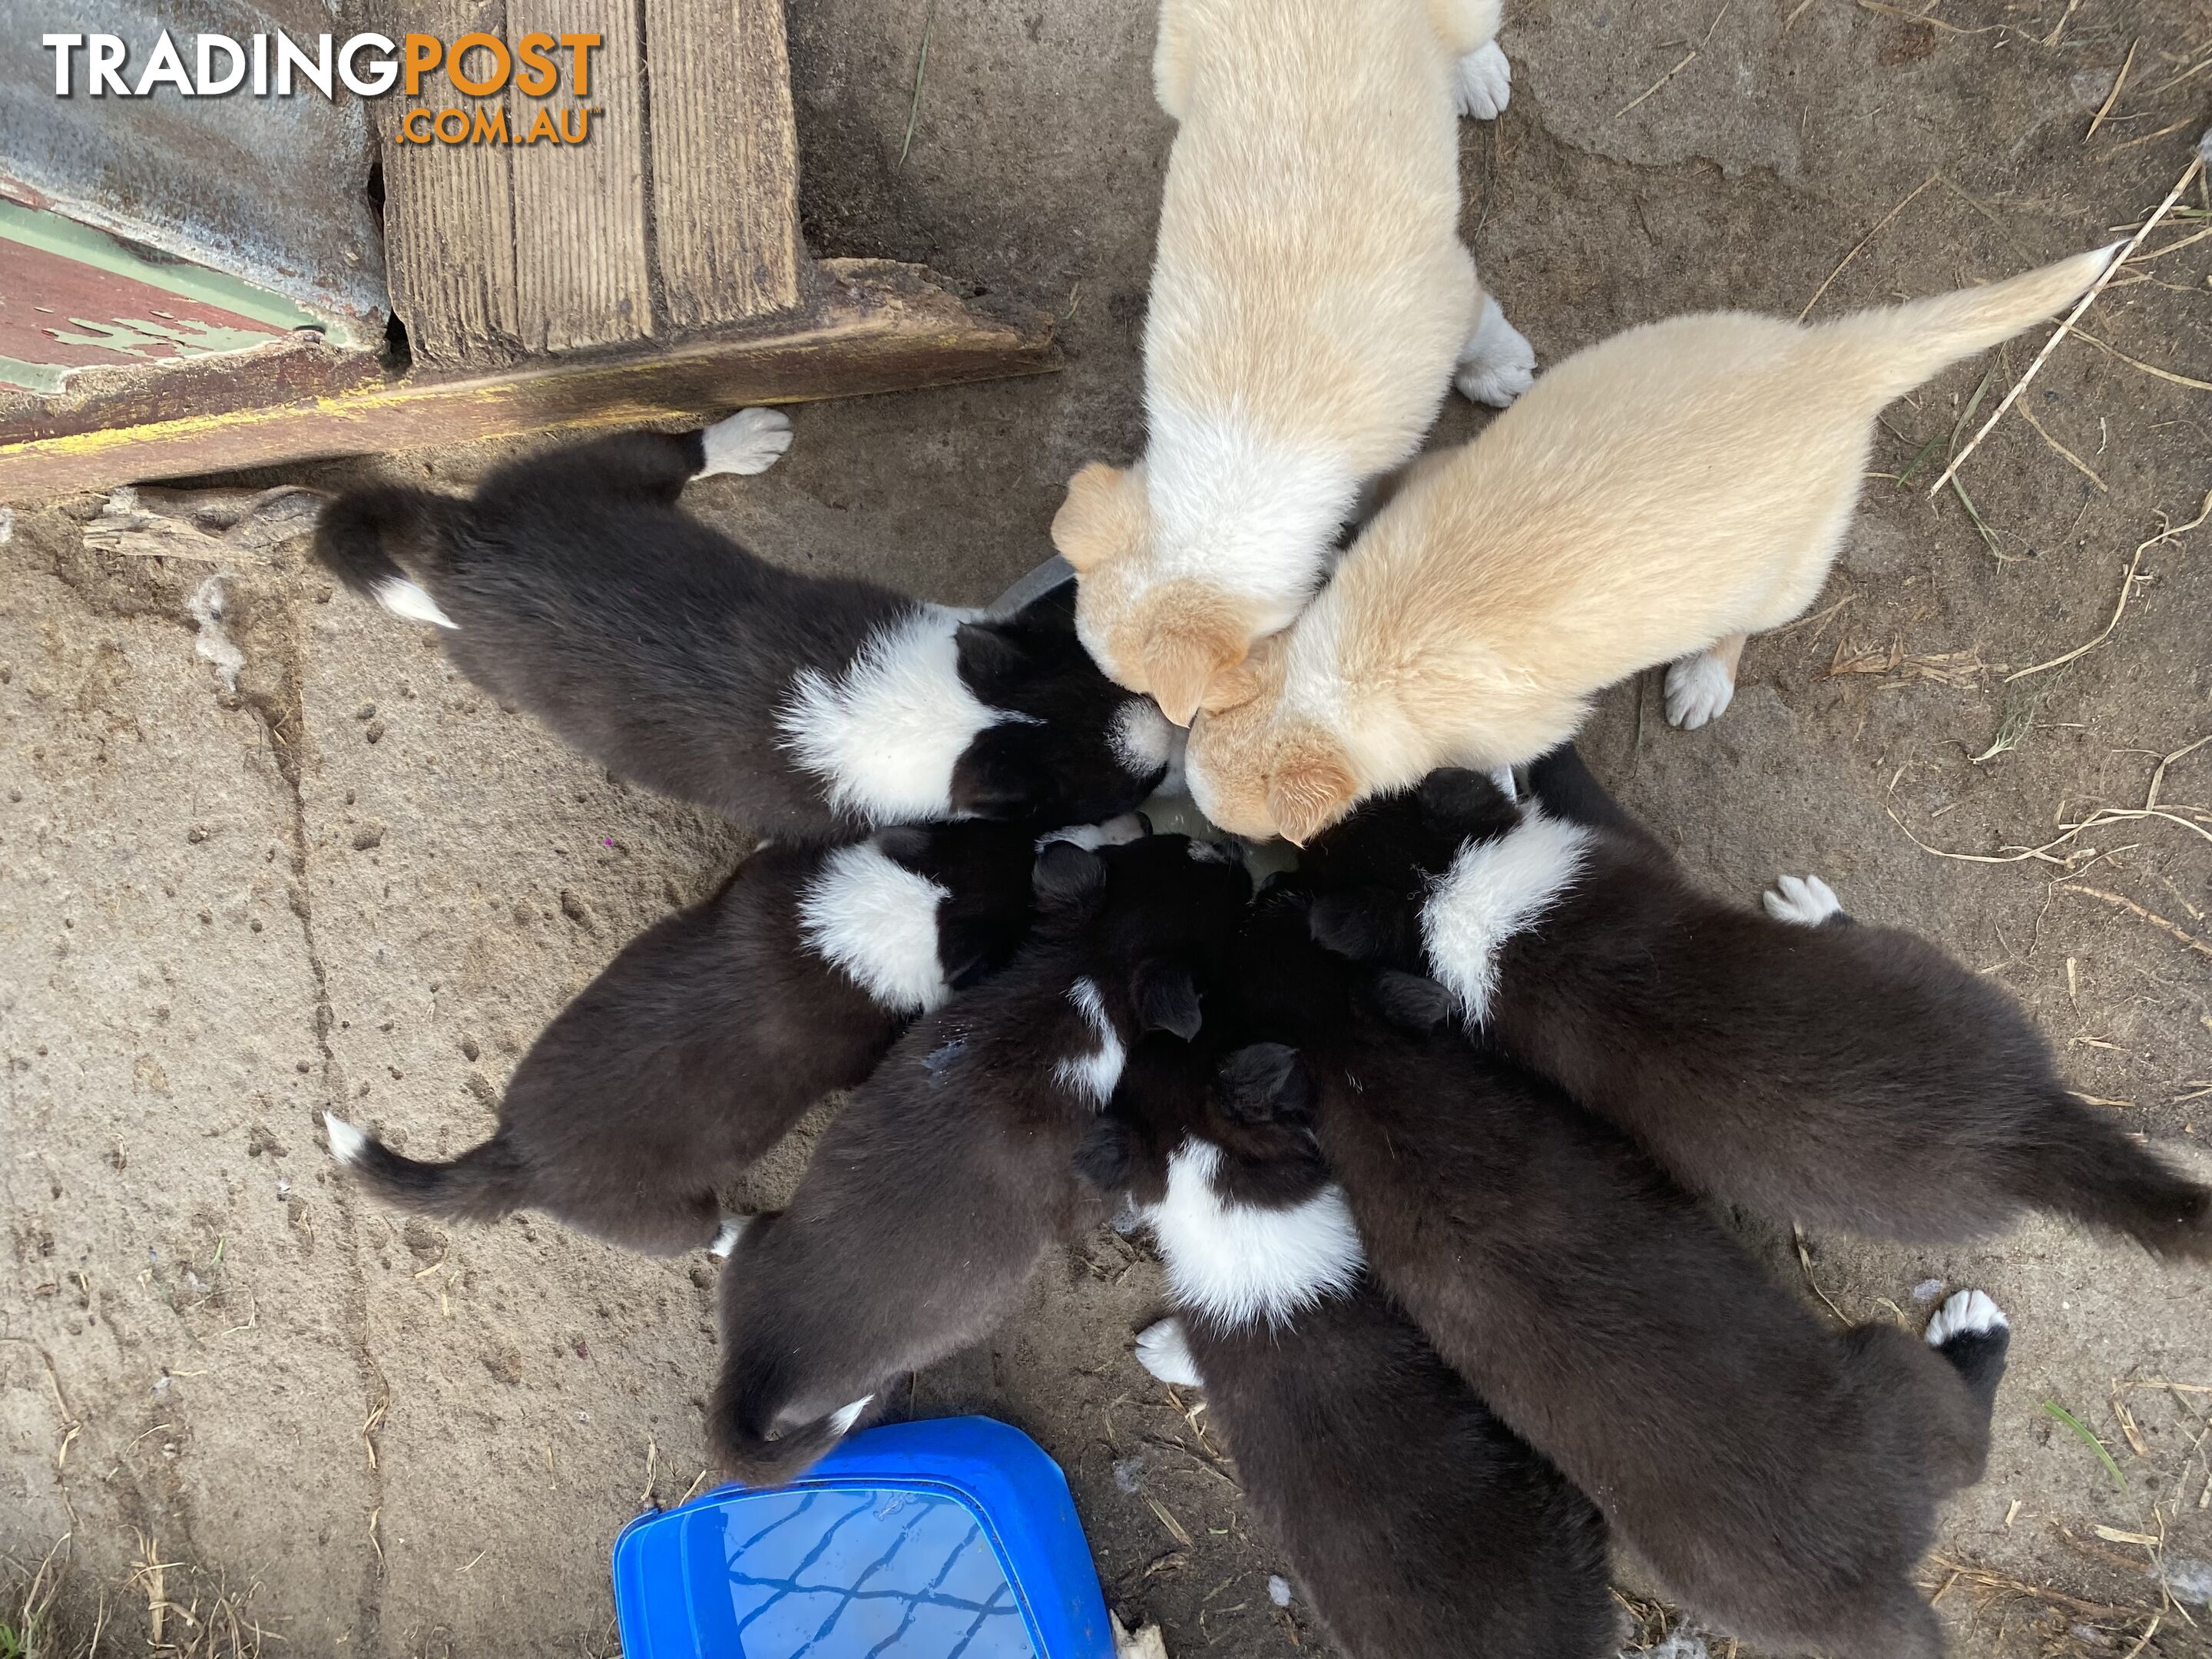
(1657, 496)
(573, 586)
(713, 1032)
(1782, 1476)
(1813, 1071)
(934, 1193)
(1417, 1521)
(1310, 298)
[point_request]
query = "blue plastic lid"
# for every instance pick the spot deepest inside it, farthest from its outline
(952, 1539)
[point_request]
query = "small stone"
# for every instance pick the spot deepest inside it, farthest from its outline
(366, 712)
(375, 733)
(469, 1050)
(367, 836)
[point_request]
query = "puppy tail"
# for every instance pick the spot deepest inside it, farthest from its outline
(483, 1184)
(740, 1431)
(2084, 1166)
(363, 536)
(1912, 342)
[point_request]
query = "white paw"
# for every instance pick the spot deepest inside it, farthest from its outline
(1968, 1313)
(727, 1235)
(1482, 82)
(1805, 900)
(1499, 363)
(751, 441)
(1697, 689)
(1162, 1351)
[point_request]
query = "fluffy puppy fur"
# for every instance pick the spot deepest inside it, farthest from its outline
(708, 1037)
(1805, 1067)
(1659, 496)
(573, 585)
(1310, 299)
(1780, 1476)
(934, 1193)
(1418, 1524)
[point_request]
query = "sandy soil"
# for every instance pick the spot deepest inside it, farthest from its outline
(239, 1407)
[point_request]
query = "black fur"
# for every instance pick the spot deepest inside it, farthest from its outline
(582, 593)
(1850, 1077)
(1782, 1476)
(931, 1197)
(701, 1044)
(1418, 1524)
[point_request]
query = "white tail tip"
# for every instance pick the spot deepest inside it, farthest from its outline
(404, 598)
(348, 1144)
(1968, 1313)
(727, 1235)
(842, 1419)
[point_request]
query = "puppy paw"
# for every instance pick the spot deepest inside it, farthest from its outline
(751, 441)
(1499, 363)
(727, 1235)
(1698, 690)
(1482, 82)
(1968, 1313)
(1162, 1351)
(1805, 900)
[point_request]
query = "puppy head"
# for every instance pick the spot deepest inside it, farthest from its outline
(983, 869)
(1149, 923)
(1371, 871)
(1234, 740)
(1288, 779)
(1070, 746)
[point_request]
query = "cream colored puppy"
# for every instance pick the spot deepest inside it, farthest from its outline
(1655, 498)
(1310, 301)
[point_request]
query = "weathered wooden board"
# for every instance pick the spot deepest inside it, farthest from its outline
(877, 327)
(725, 161)
(582, 277)
(449, 226)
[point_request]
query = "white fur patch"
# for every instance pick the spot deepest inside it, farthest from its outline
(844, 1417)
(876, 920)
(1497, 364)
(1494, 889)
(749, 441)
(1242, 509)
(1236, 1263)
(409, 599)
(1092, 1076)
(1968, 1313)
(1482, 82)
(1698, 688)
(727, 1235)
(1115, 832)
(1215, 852)
(1162, 1351)
(1805, 900)
(348, 1144)
(1503, 777)
(885, 734)
(1143, 738)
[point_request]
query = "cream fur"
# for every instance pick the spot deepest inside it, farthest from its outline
(1651, 496)
(1309, 298)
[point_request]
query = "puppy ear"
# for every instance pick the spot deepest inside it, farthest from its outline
(1309, 790)
(1106, 1157)
(993, 779)
(1068, 877)
(1166, 994)
(1355, 925)
(1410, 1000)
(1453, 798)
(1264, 1083)
(1232, 687)
(992, 660)
(1100, 518)
(1181, 658)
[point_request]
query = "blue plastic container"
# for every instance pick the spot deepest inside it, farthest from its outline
(952, 1539)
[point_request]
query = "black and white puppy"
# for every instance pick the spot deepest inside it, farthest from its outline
(699, 1045)
(1418, 1523)
(576, 588)
(1782, 1476)
(1807, 1068)
(934, 1193)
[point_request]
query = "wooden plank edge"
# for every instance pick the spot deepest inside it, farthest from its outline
(879, 326)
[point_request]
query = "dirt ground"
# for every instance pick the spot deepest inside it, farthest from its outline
(241, 1410)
